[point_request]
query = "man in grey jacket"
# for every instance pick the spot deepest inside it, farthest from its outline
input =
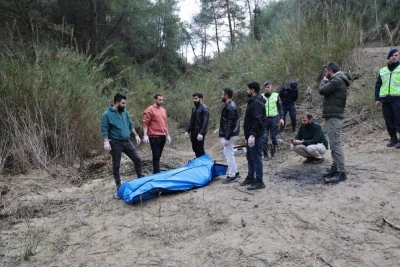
(334, 89)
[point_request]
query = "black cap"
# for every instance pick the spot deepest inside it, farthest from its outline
(391, 52)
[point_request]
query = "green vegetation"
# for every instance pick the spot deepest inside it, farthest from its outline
(62, 62)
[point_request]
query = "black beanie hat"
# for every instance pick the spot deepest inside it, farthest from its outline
(293, 85)
(391, 52)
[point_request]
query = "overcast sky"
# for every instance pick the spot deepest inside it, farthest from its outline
(188, 8)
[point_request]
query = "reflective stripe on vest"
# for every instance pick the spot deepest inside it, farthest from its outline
(271, 106)
(390, 82)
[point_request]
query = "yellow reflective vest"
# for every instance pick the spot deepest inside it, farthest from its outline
(390, 82)
(271, 105)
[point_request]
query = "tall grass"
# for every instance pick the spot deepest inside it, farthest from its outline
(295, 50)
(50, 106)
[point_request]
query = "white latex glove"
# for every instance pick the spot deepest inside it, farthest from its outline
(137, 139)
(251, 141)
(226, 142)
(168, 139)
(186, 134)
(199, 137)
(107, 146)
(145, 139)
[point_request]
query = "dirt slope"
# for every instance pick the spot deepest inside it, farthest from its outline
(296, 221)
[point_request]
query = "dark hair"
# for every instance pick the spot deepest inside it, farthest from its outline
(118, 97)
(255, 86)
(157, 95)
(308, 115)
(333, 66)
(228, 92)
(199, 95)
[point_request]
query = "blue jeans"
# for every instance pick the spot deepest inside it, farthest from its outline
(292, 113)
(254, 159)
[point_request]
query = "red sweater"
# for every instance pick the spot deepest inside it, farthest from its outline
(155, 120)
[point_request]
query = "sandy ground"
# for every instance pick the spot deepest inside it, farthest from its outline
(67, 217)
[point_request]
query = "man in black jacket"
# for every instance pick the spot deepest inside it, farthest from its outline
(198, 124)
(229, 127)
(254, 133)
(289, 95)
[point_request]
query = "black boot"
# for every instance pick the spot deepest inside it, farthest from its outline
(331, 172)
(393, 140)
(337, 178)
(247, 181)
(273, 149)
(293, 128)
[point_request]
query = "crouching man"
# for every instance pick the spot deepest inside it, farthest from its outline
(310, 141)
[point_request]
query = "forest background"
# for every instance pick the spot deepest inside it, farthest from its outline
(62, 61)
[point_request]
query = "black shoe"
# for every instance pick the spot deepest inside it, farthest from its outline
(229, 179)
(237, 175)
(247, 181)
(317, 161)
(397, 145)
(308, 160)
(337, 178)
(256, 185)
(331, 172)
(392, 143)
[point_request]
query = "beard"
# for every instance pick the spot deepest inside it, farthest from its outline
(223, 100)
(196, 103)
(249, 95)
(121, 109)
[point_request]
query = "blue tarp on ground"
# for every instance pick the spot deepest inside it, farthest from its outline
(197, 173)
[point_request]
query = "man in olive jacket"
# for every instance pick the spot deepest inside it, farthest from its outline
(334, 89)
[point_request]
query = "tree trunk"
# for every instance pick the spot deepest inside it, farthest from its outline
(94, 38)
(325, 16)
(216, 28)
(232, 34)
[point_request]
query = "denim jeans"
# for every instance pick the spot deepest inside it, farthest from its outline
(292, 113)
(333, 127)
(271, 126)
(197, 146)
(254, 158)
(126, 146)
(157, 144)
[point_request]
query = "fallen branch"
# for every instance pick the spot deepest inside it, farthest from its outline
(394, 226)
(324, 261)
(244, 191)
(242, 199)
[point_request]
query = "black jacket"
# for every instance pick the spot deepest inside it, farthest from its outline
(199, 120)
(229, 124)
(288, 95)
(255, 117)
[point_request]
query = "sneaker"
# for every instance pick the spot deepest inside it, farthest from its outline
(308, 160)
(330, 173)
(229, 179)
(256, 185)
(247, 181)
(317, 161)
(397, 145)
(337, 178)
(392, 143)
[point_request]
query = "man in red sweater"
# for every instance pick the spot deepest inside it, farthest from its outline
(155, 129)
